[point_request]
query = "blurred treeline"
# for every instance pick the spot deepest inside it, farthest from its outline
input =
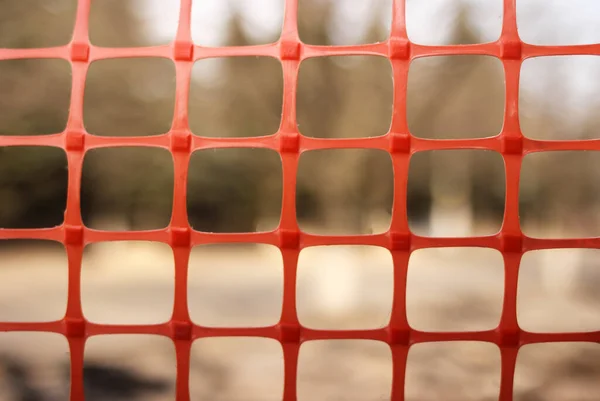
(238, 190)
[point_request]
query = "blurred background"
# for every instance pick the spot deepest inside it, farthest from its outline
(450, 193)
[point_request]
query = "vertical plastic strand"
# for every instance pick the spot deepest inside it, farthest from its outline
(400, 148)
(399, 19)
(73, 222)
(289, 124)
(184, 30)
(74, 321)
(78, 73)
(507, 371)
(183, 71)
(513, 154)
(183, 350)
(511, 133)
(289, 132)
(289, 55)
(290, 253)
(180, 241)
(290, 21)
(74, 257)
(81, 28)
(399, 224)
(399, 358)
(509, 20)
(181, 140)
(181, 145)
(399, 324)
(75, 147)
(76, 351)
(75, 144)
(181, 325)
(290, 355)
(400, 163)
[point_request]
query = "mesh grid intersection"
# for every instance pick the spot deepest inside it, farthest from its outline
(289, 143)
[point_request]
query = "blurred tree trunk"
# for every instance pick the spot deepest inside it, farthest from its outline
(451, 209)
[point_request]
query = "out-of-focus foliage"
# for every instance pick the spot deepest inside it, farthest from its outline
(459, 96)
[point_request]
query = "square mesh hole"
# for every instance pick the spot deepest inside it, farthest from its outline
(236, 97)
(453, 371)
(127, 188)
(236, 369)
(345, 96)
(129, 97)
(455, 289)
(345, 287)
(35, 95)
(234, 190)
(558, 290)
(557, 371)
(34, 366)
(36, 23)
(451, 97)
(572, 22)
(559, 194)
(456, 193)
(235, 285)
(137, 366)
(440, 22)
(33, 186)
(33, 281)
(237, 23)
(128, 282)
(344, 22)
(118, 23)
(558, 97)
(344, 370)
(345, 191)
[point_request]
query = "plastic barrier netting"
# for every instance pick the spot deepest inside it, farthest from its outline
(289, 143)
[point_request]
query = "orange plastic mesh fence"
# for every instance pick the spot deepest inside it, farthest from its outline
(290, 143)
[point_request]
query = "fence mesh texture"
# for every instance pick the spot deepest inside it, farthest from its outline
(289, 143)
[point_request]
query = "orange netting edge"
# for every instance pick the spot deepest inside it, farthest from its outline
(508, 336)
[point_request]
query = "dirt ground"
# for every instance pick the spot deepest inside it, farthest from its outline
(459, 289)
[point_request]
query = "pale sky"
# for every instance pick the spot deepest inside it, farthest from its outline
(558, 21)
(540, 22)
